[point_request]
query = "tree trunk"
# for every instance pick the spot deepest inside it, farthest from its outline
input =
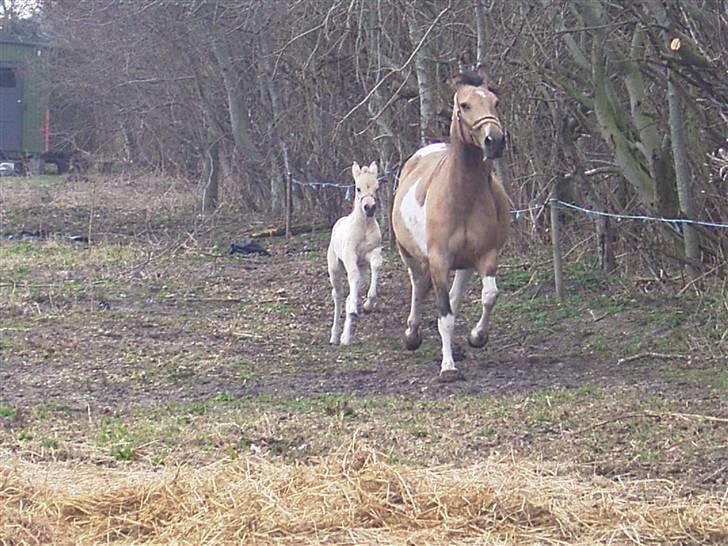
(482, 44)
(682, 176)
(239, 122)
(425, 80)
(501, 170)
(211, 184)
(279, 185)
(679, 151)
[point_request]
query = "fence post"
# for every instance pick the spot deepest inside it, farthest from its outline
(289, 192)
(556, 243)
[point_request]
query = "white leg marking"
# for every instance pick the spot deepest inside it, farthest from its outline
(446, 326)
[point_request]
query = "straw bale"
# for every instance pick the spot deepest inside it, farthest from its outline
(351, 497)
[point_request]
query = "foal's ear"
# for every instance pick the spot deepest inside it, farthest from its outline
(355, 169)
(373, 168)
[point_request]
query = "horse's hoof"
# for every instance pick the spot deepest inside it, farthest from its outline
(450, 376)
(478, 339)
(368, 306)
(412, 341)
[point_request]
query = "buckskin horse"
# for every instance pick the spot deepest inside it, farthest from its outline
(451, 214)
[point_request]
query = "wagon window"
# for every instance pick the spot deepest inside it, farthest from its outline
(7, 77)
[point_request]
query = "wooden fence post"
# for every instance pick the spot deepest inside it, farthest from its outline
(556, 243)
(289, 191)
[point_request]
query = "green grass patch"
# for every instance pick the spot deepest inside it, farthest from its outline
(7, 412)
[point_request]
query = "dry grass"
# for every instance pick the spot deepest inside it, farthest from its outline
(351, 497)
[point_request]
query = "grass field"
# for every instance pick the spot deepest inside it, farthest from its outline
(143, 366)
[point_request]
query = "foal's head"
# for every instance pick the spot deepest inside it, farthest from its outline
(367, 184)
(475, 113)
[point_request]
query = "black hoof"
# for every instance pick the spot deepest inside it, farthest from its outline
(450, 376)
(413, 341)
(477, 341)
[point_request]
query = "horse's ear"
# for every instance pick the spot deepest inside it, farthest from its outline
(355, 169)
(373, 168)
(483, 73)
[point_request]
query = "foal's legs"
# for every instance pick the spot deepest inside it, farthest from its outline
(353, 273)
(479, 335)
(375, 262)
(336, 276)
(421, 284)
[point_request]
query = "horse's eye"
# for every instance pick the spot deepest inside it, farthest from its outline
(358, 190)
(464, 106)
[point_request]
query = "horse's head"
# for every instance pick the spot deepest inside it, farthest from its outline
(367, 184)
(475, 113)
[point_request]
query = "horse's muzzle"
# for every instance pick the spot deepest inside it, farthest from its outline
(493, 145)
(369, 209)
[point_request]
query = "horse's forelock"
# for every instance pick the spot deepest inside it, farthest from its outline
(475, 78)
(468, 77)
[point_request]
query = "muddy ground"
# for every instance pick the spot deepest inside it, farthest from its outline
(145, 311)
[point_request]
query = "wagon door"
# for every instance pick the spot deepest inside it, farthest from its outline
(11, 107)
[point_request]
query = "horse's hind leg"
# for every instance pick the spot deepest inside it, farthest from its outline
(375, 262)
(421, 284)
(478, 336)
(336, 276)
(462, 277)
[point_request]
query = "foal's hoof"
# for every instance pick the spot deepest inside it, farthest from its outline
(450, 376)
(477, 339)
(412, 340)
(369, 306)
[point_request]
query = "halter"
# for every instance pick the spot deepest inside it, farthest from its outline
(485, 119)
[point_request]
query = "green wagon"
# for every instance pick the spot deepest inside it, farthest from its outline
(24, 118)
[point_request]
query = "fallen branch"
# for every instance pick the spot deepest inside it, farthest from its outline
(295, 230)
(662, 415)
(651, 355)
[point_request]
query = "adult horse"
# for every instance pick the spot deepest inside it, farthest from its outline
(451, 213)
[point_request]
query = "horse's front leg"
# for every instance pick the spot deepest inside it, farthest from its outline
(354, 275)
(375, 263)
(478, 336)
(439, 271)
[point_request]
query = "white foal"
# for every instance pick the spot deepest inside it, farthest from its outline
(356, 243)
